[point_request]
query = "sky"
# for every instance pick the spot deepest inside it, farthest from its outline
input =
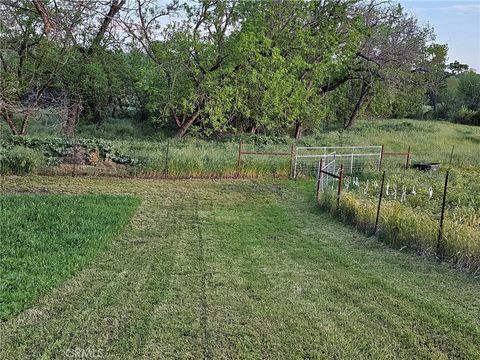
(456, 23)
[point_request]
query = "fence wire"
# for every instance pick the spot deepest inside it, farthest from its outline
(355, 159)
(436, 213)
(329, 166)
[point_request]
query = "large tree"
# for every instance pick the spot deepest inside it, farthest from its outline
(214, 65)
(63, 45)
(394, 46)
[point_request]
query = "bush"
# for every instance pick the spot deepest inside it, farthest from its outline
(56, 149)
(20, 161)
(475, 120)
(466, 116)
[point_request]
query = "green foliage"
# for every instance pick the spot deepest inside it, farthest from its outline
(48, 238)
(274, 69)
(466, 116)
(56, 148)
(223, 67)
(460, 99)
(456, 68)
(392, 102)
(469, 90)
(19, 160)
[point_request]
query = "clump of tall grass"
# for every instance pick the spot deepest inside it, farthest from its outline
(20, 161)
(402, 226)
(196, 158)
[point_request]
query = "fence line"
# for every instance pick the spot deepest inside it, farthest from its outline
(325, 172)
(406, 225)
(258, 153)
(440, 248)
(406, 154)
(354, 158)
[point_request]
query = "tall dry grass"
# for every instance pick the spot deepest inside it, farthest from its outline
(402, 226)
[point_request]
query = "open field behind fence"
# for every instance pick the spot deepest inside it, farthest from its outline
(200, 159)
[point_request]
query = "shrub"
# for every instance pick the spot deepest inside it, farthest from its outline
(56, 149)
(465, 116)
(20, 161)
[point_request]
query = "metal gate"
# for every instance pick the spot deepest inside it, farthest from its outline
(354, 159)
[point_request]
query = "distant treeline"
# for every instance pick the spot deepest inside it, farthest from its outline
(225, 66)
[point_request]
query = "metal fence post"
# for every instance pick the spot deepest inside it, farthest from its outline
(380, 163)
(375, 229)
(451, 155)
(440, 248)
(319, 177)
(334, 161)
(351, 164)
(407, 163)
(165, 170)
(340, 181)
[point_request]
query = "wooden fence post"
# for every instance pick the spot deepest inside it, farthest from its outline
(292, 152)
(75, 156)
(319, 178)
(165, 170)
(239, 157)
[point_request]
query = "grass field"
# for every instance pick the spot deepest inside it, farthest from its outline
(47, 238)
(243, 269)
(430, 141)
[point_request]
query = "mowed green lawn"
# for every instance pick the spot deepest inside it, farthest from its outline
(46, 238)
(243, 269)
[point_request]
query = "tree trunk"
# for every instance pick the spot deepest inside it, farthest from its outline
(99, 115)
(26, 118)
(73, 113)
(9, 119)
(47, 23)
(298, 130)
(363, 94)
(434, 100)
(186, 125)
(115, 7)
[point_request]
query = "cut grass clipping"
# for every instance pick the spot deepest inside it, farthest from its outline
(47, 238)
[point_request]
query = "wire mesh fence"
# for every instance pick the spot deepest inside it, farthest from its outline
(355, 159)
(326, 167)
